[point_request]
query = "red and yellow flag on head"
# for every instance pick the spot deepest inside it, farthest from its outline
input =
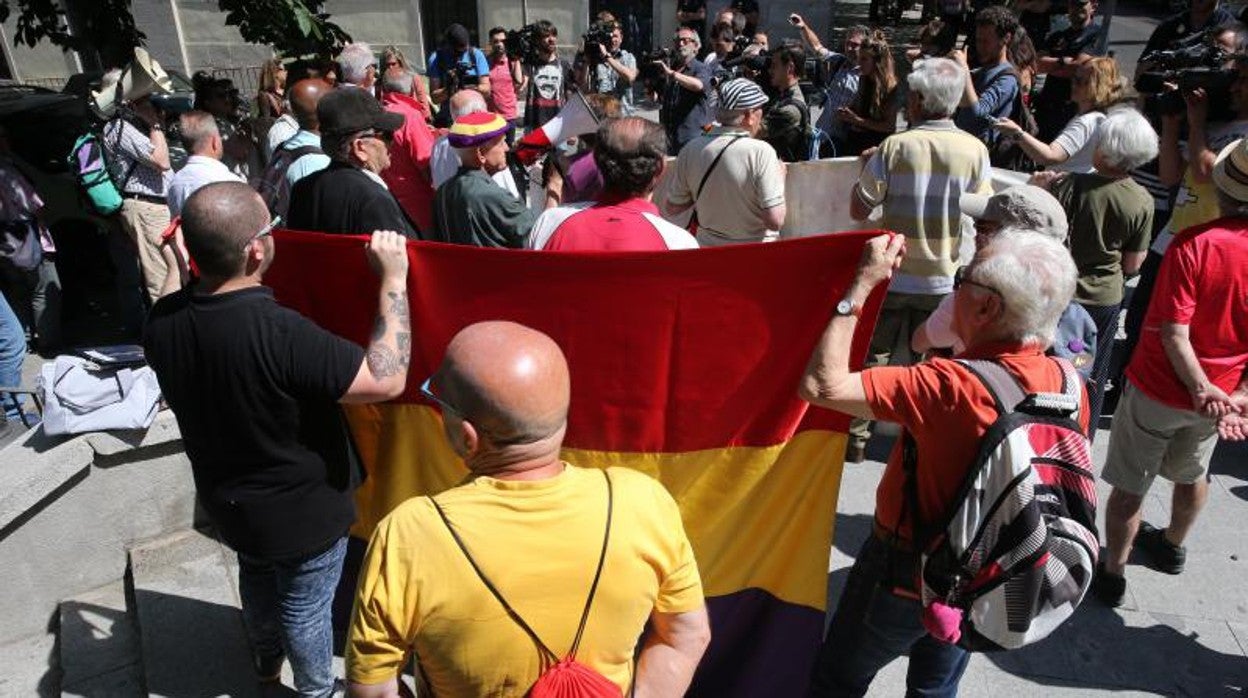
(684, 365)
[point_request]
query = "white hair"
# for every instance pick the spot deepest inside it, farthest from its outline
(398, 81)
(467, 102)
(940, 82)
(1125, 139)
(697, 40)
(354, 60)
(1035, 277)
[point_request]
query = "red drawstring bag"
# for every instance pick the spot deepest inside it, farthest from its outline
(565, 678)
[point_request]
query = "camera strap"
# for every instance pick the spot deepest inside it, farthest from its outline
(693, 219)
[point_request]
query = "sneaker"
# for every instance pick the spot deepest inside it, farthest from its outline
(1109, 588)
(268, 669)
(855, 453)
(1165, 556)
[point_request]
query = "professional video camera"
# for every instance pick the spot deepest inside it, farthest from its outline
(522, 43)
(647, 70)
(1192, 64)
(599, 34)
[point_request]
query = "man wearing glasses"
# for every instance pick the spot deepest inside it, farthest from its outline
(256, 389)
(1006, 308)
(349, 197)
(686, 98)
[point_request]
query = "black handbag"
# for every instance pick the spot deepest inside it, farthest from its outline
(19, 243)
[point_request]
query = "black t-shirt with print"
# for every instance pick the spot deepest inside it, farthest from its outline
(548, 86)
(255, 387)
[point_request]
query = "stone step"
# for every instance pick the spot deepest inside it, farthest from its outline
(99, 645)
(190, 627)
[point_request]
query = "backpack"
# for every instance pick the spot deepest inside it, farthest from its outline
(274, 187)
(794, 146)
(1005, 152)
(1016, 553)
(562, 678)
(89, 165)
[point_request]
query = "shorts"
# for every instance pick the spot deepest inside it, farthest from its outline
(1150, 439)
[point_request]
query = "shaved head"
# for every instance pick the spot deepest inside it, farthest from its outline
(217, 223)
(304, 96)
(508, 380)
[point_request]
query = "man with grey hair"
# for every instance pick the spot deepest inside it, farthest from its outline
(444, 162)
(1006, 306)
(409, 176)
(349, 197)
(1024, 209)
(359, 66)
(1187, 384)
(916, 177)
(202, 140)
(688, 94)
(630, 153)
(733, 181)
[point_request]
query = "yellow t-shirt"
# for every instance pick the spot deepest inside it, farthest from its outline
(538, 542)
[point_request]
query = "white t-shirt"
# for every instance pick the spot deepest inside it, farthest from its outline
(1079, 140)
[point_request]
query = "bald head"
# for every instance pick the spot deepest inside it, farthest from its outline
(466, 102)
(217, 223)
(304, 96)
(508, 380)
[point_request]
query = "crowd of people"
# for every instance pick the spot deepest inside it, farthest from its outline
(1126, 183)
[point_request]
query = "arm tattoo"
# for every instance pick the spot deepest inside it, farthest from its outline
(399, 306)
(404, 341)
(379, 328)
(383, 361)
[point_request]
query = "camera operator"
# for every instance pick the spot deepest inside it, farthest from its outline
(786, 123)
(456, 65)
(686, 97)
(843, 73)
(549, 76)
(1201, 17)
(612, 70)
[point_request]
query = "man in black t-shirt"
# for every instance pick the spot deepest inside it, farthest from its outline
(550, 79)
(1060, 55)
(349, 197)
(255, 388)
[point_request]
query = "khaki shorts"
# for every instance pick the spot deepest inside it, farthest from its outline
(1150, 439)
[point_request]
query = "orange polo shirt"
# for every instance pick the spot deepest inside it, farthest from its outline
(947, 410)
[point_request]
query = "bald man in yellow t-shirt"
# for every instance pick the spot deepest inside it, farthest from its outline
(534, 526)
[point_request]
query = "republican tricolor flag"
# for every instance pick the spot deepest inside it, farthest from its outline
(684, 365)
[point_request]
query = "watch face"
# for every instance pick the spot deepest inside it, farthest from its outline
(845, 307)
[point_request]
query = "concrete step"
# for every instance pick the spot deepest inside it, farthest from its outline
(190, 627)
(99, 645)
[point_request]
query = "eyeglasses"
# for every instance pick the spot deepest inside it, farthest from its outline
(265, 231)
(962, 276)
(383, 136)
(427, 392)
(682, 40)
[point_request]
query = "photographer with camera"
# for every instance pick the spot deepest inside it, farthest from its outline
(1200, 18)
(786, 123)
(723, 42)
(611, 69)
(686, 97)
(549, 76)
(841, 69)
(455, 66)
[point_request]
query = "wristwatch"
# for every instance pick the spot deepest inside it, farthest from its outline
(848, 308)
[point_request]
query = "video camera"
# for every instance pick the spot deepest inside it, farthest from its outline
(522, 43)
(599, 34)
(646, 68)
(1193, 64)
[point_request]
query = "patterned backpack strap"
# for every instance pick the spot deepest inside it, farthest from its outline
(1005, 389)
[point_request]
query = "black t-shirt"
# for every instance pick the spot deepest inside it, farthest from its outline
(255, 387)
(698, 25)
(343, 199)
(1178, 27)
(549, 83)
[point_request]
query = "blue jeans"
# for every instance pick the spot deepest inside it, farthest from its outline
(12, 354)
(1106, 319)
(873, 626)
(288, 604)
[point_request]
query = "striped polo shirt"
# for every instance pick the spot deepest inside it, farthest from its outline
(918, 176)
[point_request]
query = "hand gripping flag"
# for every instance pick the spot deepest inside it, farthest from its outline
(575, 119)
(685, 365)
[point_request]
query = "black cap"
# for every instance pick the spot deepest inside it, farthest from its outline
(350, 109)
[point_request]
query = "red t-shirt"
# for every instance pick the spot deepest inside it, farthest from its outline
(610, 225)
(947, 410)
(1203, 283)
(408, 175)
(502, 89)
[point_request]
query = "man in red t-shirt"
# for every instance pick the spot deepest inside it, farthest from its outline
(1186, 384)
(506, 77)
(1006, 306)
(408, 175)
(630, 154)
